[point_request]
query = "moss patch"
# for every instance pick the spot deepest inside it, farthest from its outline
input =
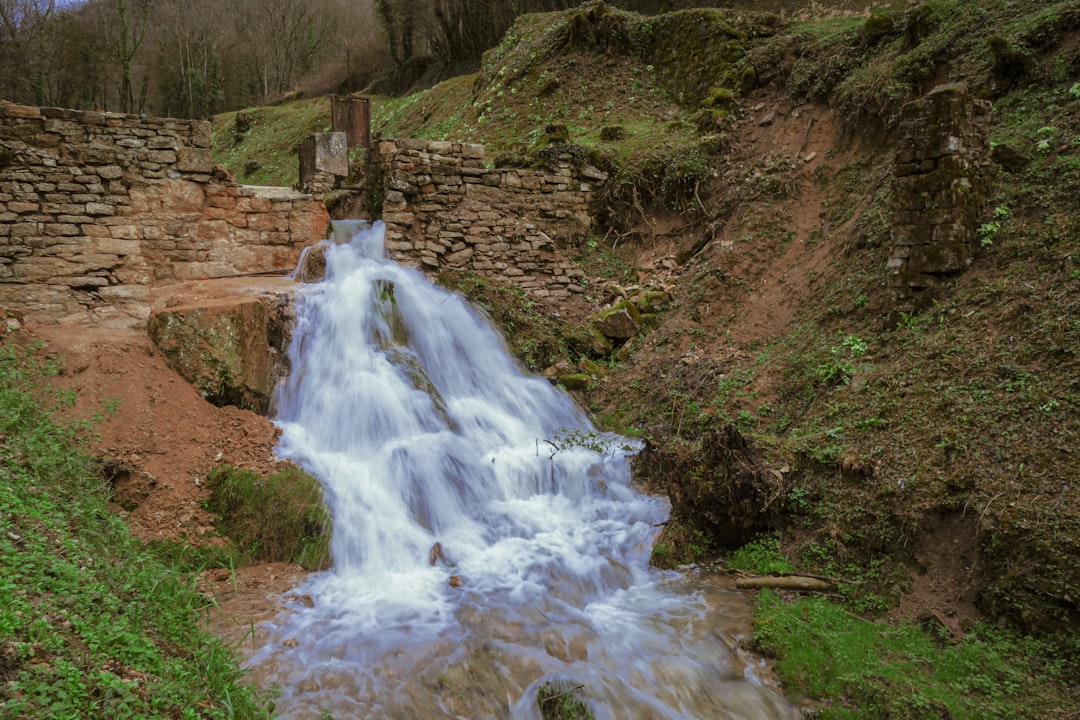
(280, 518)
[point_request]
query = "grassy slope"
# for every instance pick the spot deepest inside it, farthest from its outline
(91, 625)
(968, 407)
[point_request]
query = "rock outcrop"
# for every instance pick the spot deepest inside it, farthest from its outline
(231, 351)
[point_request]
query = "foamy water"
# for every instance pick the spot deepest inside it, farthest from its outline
(486, 540)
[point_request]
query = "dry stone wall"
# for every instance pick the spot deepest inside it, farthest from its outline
(943, 173)
(445, 209)
(96, 209)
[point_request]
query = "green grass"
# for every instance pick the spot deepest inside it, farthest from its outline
(272, 140)
(849, 667)
(91, 624)
(279, 518)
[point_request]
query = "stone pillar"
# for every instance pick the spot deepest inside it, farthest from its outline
(943, 173)
(324, 161)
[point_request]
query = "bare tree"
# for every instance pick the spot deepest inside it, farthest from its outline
(24, 54)
(190, 41)
(285, 39)
(131, 24)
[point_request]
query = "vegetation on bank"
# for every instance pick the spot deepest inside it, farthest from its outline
(92, 624)
(847, 666)
(279, 518)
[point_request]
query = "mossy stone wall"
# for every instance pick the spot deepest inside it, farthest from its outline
(444, 209)
(943, 173)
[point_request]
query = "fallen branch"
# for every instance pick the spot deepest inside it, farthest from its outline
(799, 583)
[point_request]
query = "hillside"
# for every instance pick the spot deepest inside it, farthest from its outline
(928, 451)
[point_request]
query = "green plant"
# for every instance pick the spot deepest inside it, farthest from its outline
(280, 518)
(761, 556)
(840, 365)
(91, 624)
(562, 701)
(1047, 135)
(987, 230)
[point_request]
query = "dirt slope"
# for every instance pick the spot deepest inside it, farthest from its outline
(158, 438)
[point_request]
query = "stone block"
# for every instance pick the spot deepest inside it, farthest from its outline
(194, 160)
(21, 111)
(161, 157)
(324, 152)
(60, 229)
(164, 142)
(125, 232)
(94, 208)
(471, 150)
(200, 133)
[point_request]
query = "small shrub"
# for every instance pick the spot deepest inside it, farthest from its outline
(761, 556)
(280, 518)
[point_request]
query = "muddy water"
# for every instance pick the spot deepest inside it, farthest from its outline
(486, 537)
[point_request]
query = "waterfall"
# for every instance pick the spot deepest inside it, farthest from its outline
(486, 537)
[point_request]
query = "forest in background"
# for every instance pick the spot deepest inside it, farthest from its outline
(195, 58)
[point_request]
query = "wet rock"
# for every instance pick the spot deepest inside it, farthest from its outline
(225, 349)
(436, 554)
(312, 265)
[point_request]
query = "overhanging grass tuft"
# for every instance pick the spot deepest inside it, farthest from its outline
(280, 518)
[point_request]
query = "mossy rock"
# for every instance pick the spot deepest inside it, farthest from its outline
(553, 134)
(223, 349)
(598, 344)
(592, 367)
(652, 301)
(719, 98)
(547, 86)
(879, 27)
(575, 381)
(619, 322)
(279, 518)
(694, 52)
(611, 133)
(596, 25)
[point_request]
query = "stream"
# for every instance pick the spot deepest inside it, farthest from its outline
(487, 542)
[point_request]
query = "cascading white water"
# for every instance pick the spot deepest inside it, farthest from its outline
(486, 539)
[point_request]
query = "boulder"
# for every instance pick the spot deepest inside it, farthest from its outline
(620, 322)
(575, 381)
(224, 348)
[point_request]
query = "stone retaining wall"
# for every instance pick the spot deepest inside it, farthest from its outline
(98, 208)
(943, 174)
(444, 209)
